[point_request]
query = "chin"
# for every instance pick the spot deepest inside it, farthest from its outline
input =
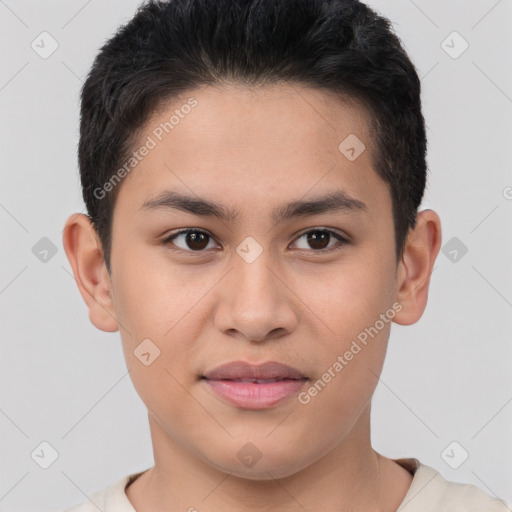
(261, 472)
(264, 468)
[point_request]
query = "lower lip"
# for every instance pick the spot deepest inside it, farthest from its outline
(249, 395)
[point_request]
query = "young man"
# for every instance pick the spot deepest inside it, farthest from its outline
(252, 172)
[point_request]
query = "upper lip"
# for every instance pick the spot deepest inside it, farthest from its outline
(244, 370)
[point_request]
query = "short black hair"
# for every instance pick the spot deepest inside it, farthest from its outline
(171, 47)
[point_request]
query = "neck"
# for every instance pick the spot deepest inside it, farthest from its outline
(350, 476)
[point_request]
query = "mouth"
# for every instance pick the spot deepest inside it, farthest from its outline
(241, 370)
(254, 381)
(254, 387)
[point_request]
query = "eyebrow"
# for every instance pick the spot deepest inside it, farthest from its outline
(338, 201)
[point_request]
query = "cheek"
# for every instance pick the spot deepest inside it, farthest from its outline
(157, 321)
(349, 296)
(349, 370)
(152, 297)
(356, 310)
(155, 302)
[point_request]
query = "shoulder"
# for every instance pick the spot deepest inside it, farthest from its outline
(95, 502)
(430, 491)
(110, 499)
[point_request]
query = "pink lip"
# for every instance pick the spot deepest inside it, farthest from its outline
(255, 396)
(224, 381)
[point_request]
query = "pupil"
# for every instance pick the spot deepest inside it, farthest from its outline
(198, 239)
(315, 236)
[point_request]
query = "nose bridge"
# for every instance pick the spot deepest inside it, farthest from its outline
(252, 275)
(254, 301)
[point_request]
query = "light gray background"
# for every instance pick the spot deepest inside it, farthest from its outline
(447, 378)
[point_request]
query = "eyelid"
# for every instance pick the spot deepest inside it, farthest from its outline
(342, 240)
(169, 239)
(323, 228)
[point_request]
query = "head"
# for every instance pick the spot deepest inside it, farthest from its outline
(272, 118)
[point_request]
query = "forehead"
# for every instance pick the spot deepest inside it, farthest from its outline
(251, 146)
(281, 115)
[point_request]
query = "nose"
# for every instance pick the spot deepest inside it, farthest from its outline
(255, 302)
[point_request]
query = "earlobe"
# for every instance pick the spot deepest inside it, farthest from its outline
(83, 250)
(420, 253)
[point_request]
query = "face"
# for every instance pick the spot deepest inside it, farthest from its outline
(270, 271)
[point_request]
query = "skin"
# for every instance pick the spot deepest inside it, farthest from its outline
(252, 150)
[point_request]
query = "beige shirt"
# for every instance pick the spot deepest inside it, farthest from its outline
(429, 492)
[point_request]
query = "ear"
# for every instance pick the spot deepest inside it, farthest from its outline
(415, 267)
(85, 255)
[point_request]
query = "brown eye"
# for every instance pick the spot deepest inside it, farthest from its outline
(319, 240)
(192, 240)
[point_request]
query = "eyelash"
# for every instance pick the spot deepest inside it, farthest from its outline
(342, 241)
